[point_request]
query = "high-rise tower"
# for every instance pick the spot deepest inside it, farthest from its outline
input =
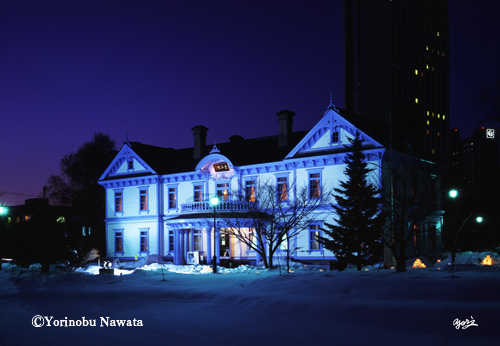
(396, 57)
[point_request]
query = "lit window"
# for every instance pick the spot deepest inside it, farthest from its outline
(172, 198)
(426, 47)
(144, 241)
(282, 189)
(443, 117)
(118, 202)
(143, 199)
(428, 113)
(416, 99)
(223, 191)
(437, 34)
(433, 114)
(250, 190)
(416, 72)
(428, 122)
(197, 240)
(427, 131)
(198, 193)
(314, 233)
(433, 151)
(439, 116)
(119, 241)
(439, 133)
(427, 66)
(314, 185)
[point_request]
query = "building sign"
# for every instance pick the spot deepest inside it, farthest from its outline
(221, 167)
(490, 133)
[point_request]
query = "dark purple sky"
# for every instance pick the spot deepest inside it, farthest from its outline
(155, 69)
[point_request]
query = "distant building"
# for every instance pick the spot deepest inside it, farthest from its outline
(157, 199)
(37, 231)
(397, 61)
(475, 160)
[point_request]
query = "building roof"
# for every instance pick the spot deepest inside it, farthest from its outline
(239, 150)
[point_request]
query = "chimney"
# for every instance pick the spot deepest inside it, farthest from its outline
(285, 119)
(200, 141)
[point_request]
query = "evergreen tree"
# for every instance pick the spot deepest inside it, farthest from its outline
(356, 235)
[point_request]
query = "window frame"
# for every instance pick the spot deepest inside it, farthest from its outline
(221, 195)
(175, 194)
(144, 206)
(310, 179)
(250, 189)
(115, 204)
(119, 234)
(315, 228)
(198, 193)
(144, 235)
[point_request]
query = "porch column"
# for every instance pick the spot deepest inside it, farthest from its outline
(217, 245)
(177, 247)
(209, 245)
(185, 245)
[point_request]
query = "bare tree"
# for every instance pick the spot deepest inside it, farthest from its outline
(411, 198)
(273, 215)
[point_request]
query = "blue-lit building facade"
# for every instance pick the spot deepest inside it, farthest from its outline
(157, 199)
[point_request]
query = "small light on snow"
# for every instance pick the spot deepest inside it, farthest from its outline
(321, 270)
(418, 264)
(487, 261)
(367, 269)
(305, 266)
(439, 261)
(257, 272)
(290, 271)
(392, 267)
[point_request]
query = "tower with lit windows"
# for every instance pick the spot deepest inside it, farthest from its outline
(396, 59)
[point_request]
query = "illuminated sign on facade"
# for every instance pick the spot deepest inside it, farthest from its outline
(221, 167)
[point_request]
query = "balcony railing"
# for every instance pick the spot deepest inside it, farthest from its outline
(205, 206)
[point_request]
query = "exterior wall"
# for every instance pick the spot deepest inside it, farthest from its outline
(131, 220)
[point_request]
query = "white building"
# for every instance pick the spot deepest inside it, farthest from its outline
(157, 199)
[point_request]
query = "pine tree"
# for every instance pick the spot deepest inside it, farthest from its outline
(356, 235)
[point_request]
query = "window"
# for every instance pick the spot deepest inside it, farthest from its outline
(250, 190)
(282, 189)
(314, 233)
(335, 137)
(130, 164)
(171, 240)
(172, 197)
(118, 241)
(198, 193)
(251, 236)
(144, 199)
(118, 202)
(197, 240)
(144, 241)
(314, 185)
(223, 191)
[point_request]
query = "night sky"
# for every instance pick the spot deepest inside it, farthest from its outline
(154, 69)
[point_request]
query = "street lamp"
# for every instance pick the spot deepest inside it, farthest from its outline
(214, 201)
(3, 210)
(479, 219)
(453, 193)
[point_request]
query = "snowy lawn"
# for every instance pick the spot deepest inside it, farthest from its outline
(248, 306)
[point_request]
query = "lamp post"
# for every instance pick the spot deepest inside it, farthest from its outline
(214, 201)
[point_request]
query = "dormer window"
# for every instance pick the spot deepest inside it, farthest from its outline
(335, 137)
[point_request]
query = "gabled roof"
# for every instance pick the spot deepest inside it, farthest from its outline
(331, 135)
(153, 160)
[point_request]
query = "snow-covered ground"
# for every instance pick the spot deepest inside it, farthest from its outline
(248, 306)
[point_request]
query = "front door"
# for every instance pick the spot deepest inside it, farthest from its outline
(225, 250)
